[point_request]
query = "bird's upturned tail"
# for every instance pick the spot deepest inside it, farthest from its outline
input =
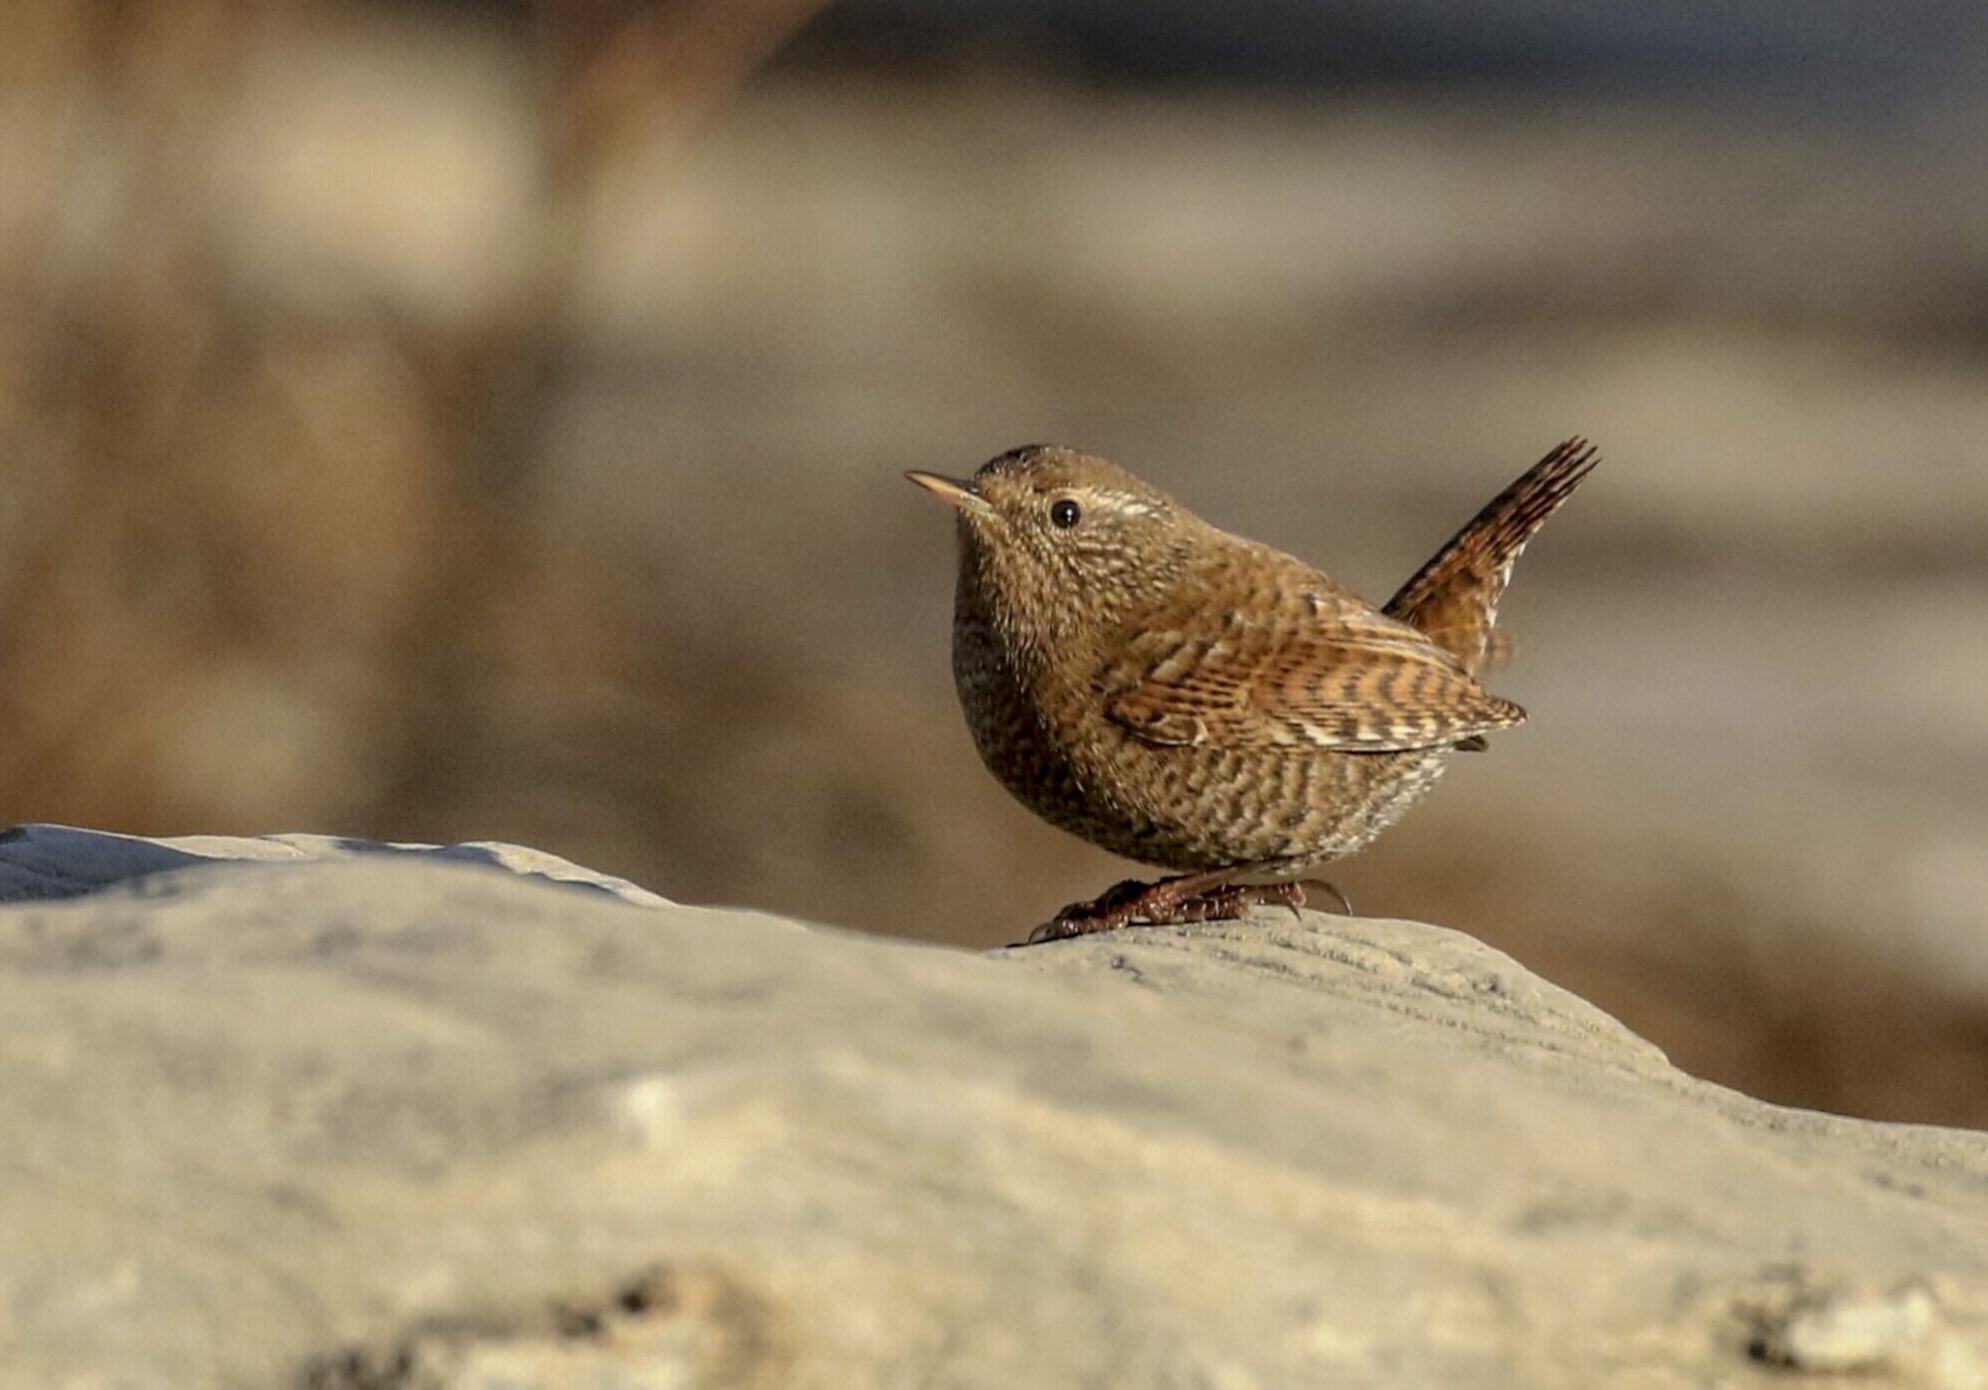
(1453, 599)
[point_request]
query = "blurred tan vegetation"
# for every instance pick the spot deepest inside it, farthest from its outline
(427, 429)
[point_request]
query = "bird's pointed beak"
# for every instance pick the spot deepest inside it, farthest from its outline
(953, 490)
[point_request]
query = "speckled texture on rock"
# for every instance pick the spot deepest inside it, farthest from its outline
(387, 1120)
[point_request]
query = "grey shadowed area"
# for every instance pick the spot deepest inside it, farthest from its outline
(47, 862)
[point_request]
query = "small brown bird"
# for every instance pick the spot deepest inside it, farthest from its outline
(1201, 702)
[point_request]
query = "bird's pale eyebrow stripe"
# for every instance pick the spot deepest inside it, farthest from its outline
(1124, 502)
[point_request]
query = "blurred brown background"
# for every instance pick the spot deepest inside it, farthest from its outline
(485, 422)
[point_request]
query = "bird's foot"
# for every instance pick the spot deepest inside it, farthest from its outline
(1185, 898)
(1124, 903)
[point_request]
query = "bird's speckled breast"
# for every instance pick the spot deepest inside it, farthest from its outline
(1181, 808)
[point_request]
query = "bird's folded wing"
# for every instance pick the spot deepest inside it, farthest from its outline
(1349, 679)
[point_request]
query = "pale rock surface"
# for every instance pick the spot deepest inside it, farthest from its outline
(383, 1116)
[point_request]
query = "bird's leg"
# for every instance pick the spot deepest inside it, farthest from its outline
(1233, 900)
(1207, 896)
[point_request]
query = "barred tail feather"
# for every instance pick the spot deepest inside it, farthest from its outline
(1453, 600)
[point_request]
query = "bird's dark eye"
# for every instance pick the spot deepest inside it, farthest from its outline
(1065, 514)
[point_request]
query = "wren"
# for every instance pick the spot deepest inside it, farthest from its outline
(1204, 703)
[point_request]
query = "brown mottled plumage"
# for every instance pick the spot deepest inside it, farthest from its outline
(1202, 702)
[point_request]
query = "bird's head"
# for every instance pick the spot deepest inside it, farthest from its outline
(1050, 531)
